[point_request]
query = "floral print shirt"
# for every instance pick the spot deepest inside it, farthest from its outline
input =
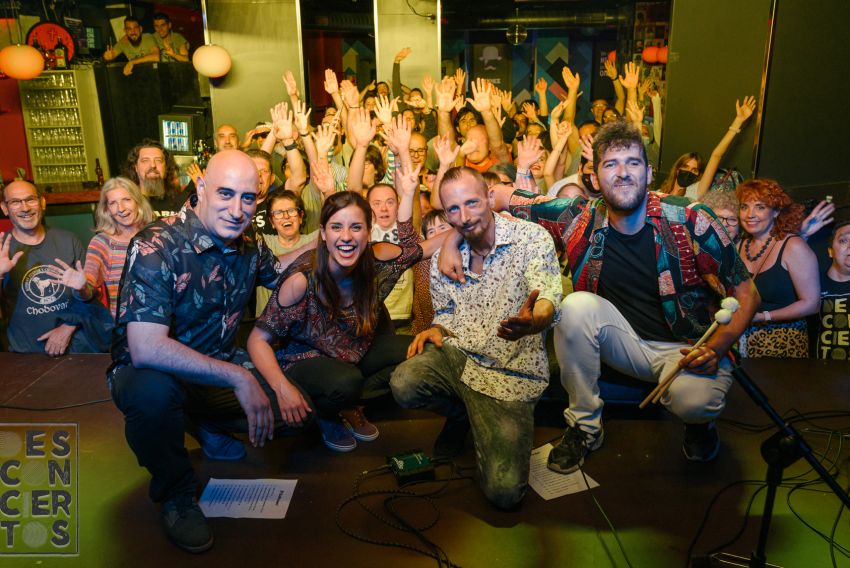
(305, 330)
(696, 261)
(522, 259)
(177, 275)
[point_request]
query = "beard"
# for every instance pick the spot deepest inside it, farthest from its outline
(153, 187)
(135, 43)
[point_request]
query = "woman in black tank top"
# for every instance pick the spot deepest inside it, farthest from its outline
(784, 269)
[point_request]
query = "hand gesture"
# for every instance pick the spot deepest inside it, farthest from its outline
(384, 108)
(73, 278)
(293, 408)
(630, 81)
(257, 409)
(323, 179)
(282, 121)
(444, 151)
(643, 88)
(360, 127)
(195, 172)
(480, 96)
(324, 138)
(397, 134)
(407, 181)
(634, 112)
(331, 84)
(350, 94)
(291, 85)
(556, 112)
(529, 111)
(56, 340)
(611, 70)
(744, 111)
(302, 116)
(497, 114)
(529, 150)
(460, 81)
(445, 95)
(7, 263)
(541, 86)
(571, 80)
(562, 131)
(586, 143)
(820, 216)
(430, 335)
(401, 55)
(522, 323)
(507, 98)
(109, 54)
(427, 85)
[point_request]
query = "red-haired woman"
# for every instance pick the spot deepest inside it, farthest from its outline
(784, 269)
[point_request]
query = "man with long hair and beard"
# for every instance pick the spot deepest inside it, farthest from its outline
(153, 168)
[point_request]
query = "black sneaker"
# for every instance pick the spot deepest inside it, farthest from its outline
(702, 442)
(452, 439)
(186, 525)
(568, 454)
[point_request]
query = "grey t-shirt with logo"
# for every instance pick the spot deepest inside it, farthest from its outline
(32, 304)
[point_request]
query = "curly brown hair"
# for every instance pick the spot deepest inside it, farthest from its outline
(172, 170)
(770, 193)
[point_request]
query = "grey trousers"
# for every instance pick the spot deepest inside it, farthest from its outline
(502, 430)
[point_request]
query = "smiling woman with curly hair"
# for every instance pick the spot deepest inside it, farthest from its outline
(784, 269)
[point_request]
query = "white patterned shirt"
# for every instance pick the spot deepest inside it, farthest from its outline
(521, 260)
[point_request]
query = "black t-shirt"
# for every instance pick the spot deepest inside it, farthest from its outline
(834, 334)
(629, 280)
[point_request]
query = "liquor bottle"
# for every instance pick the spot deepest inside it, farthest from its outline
(59, 52)
(98, 171)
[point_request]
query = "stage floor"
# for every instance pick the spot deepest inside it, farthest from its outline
(654, 498)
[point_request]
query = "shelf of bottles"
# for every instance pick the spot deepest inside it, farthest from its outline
(55, 128)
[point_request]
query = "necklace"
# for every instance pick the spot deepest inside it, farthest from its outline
(761, 252)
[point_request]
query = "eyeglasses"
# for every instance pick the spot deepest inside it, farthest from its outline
(418, 151)
(731, 221)
(280, 213)
(16, 203)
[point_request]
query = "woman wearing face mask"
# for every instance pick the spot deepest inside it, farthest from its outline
(327, 309)
(784, 269)
(687, 170)
(121, 212)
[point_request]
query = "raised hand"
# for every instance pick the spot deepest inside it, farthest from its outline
(444, 151)
(611, 70)
(401, 55)
(540, 86)
(507, 98)
(70, 276)
(8, 263)
(572, 81)
(497, 113)
(562, 131)
(302, 117)
(630, 80)
(331, 84)
(350, 94)
(820, 216)
(324, 138)
(427, 85)
(480, 95)
(323, 179)
(529, 150)
(744, 111)
(529, 111)
(291, 85)
(282, 122)
(407, 180)
(360, 127)
(445, 94)
(643, 88)
(460, 81)
(634, 112)
(522, 323)
(397, 134)
(586, 143)
(195, 172)
(384, 108)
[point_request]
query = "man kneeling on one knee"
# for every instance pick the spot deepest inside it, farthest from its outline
(483, 363)
(649, 272)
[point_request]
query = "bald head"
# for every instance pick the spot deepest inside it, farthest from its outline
(24, 207)
(226, 138)
(227, 195)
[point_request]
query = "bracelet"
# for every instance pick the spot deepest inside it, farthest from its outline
(735, 130)
(766, 315)
(524, 173)
(289, 147)
(303, 134)
(355, 106)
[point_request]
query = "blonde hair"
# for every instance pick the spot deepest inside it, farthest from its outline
(103, 220)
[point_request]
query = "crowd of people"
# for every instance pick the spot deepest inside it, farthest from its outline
(412, 241)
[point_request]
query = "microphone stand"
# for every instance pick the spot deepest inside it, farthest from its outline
(780, 451)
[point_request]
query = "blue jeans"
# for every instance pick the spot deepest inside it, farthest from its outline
(156, 407)
(502, 430)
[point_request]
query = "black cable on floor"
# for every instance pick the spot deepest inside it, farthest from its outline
(66, 407)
